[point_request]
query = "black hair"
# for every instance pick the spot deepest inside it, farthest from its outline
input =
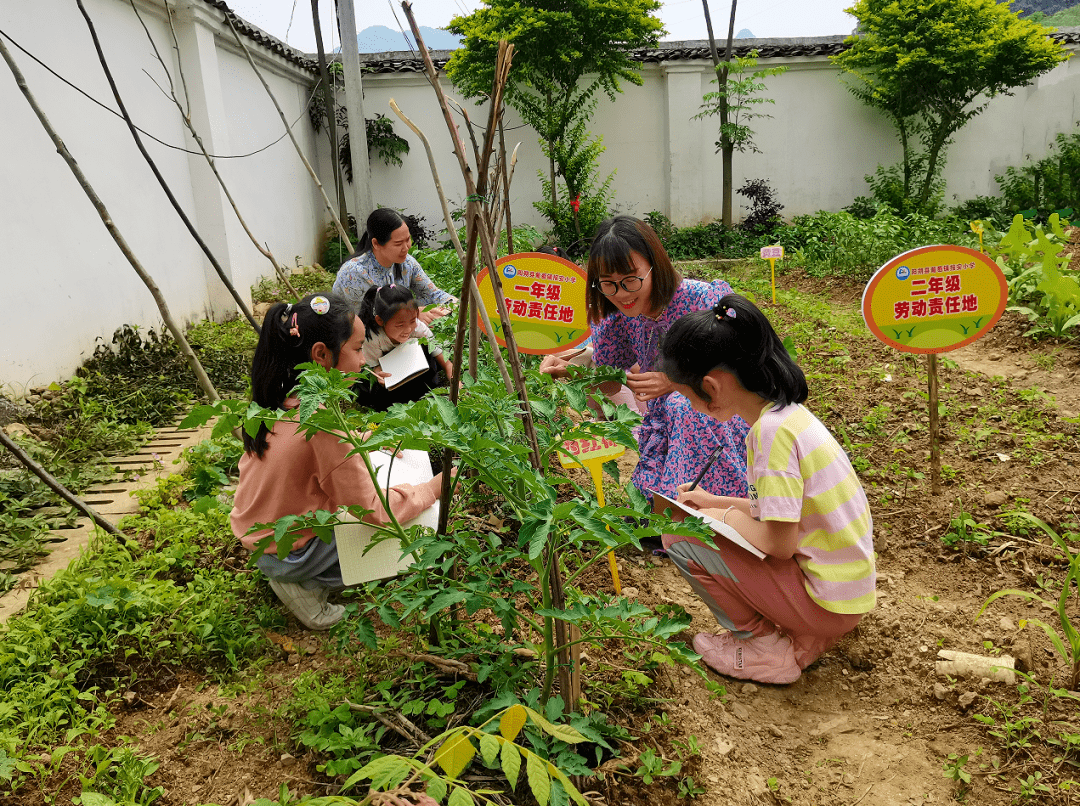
(384, 301)
(288, 334)
(610, 252)
(734, 336)
(381, 224)
(552, 249)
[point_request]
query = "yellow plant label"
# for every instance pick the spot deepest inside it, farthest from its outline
(589, 449)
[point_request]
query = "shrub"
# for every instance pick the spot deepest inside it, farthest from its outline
(1051, 184)
(764, 218)
(838, 243)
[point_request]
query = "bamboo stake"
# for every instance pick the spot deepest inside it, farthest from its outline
(480, 226)
(53, 484)
(452, 230)
(106, 218)
(506, 189)
(157, 173)
(485, 239)
(288, 127)
(328, 101)
(186, 117)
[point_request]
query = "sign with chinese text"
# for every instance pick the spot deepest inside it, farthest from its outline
(934, 299)
(772, 253)
(589, 449)
(545, 297)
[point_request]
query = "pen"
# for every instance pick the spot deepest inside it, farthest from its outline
(712, 460)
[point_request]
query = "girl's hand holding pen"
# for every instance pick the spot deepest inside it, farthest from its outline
(698, 499)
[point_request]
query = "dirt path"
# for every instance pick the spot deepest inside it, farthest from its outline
(871, 722)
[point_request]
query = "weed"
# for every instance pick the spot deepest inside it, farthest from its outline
(1067, 642)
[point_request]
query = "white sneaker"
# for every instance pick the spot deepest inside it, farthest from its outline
(309, 606)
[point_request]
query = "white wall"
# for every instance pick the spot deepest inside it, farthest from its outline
(68, 285)
(65, 280)
(815, 149)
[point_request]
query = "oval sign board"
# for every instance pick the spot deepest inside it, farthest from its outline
(934, 299)
(545, 297)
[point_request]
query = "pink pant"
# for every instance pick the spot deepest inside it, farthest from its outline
(756, 597)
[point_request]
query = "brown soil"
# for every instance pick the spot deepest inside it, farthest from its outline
(870, 722)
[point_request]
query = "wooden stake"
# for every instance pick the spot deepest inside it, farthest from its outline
(53, 484)
(935, 436)
(163, 307)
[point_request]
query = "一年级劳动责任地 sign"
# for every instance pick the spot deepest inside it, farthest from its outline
(545, 298)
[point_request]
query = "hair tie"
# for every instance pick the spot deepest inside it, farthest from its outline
(288, 309)
(294, 328)
(320, 305)
(721, 310)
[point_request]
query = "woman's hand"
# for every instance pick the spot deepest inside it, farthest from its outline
(430, 315)
(555, 365)
(648, 385)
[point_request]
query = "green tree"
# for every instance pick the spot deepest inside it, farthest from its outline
(737, 101)
(933, 65)
(566, 52)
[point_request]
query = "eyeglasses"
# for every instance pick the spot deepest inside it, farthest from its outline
(631, 284)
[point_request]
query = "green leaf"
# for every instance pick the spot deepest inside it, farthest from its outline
(539, 780)
(511, 763)
(445, 600)
(489, 749)
(95, 799)
(381, 767)
(564, 733)
(460, 797)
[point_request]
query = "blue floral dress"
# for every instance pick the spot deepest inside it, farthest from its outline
(674, 441)
(360, 273)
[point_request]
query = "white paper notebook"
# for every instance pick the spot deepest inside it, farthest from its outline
(404, 363)
(717, 525)
(383, 560)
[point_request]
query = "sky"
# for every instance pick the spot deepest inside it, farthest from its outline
(684, 19)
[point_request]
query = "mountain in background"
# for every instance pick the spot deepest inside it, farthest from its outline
(1028, 8)
(745, 33)
(379, 38)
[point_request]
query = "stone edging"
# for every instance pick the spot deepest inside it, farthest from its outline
(112, 500)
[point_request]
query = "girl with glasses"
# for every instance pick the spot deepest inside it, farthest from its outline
(634, 295)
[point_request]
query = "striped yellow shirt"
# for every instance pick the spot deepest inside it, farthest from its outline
(801, 474)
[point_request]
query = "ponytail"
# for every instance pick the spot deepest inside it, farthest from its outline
(734, 336)
(384, 301)
(289, 331)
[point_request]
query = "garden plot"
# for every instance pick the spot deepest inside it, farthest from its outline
(870, 722)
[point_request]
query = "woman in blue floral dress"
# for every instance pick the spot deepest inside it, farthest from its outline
(382, 259)
(634, 294)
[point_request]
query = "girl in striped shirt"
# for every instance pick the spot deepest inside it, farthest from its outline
(806, 509)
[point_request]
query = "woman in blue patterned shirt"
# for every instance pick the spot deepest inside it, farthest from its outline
(383, 258)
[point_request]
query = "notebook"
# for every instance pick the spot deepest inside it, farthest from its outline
(717, 525)
(404, 362)
(384, 560)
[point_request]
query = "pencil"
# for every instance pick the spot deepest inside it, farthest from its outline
(712, 460)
